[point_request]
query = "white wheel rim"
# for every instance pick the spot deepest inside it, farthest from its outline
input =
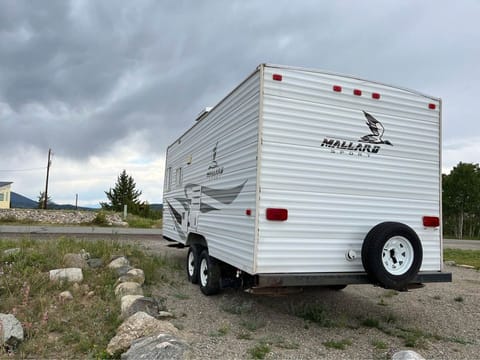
(191, 263)
(397, 255)
(204, 272)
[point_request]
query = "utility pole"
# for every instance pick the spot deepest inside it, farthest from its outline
(45, 199)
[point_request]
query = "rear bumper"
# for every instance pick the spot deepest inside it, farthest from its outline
(315, 279)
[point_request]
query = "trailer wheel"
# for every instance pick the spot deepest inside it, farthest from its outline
(193, 263)
(209, 274)
(392, 255)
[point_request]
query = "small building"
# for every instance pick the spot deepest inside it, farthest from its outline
(5, 194)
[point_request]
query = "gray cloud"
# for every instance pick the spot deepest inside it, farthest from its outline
(80, 75)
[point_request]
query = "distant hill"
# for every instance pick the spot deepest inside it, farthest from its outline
(18, 201)
(21, 202)
(158, 207)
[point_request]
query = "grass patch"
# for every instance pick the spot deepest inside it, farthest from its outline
(80, 328)
(467, 257)
(244, 336)
(338, 345)
(12, 220)
(181, 296)
(379, 344)
(373, 323)
(224, 330)
(144, 223)
(252, 324)
(315, 313)
(236, 308)
(259, 351)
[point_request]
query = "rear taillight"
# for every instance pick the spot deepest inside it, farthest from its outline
(276, 214)
(431, 221)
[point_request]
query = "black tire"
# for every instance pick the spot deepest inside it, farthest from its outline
(209, 274)
(193, 263)
(392, 255)
(336, 287)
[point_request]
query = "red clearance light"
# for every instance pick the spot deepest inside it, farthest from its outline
(277, 77)
(275, 214)
(248, 212)
(337, 88)
(431, 221)
(357, 92)
(375, 96)
(432, 106)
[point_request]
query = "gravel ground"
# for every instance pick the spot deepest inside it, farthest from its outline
(439, 321)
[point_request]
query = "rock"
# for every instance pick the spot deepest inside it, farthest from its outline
(126, 302)
(407, 355)
(74, 261)
(119, 262)
(140, 304)
(137, 326)
(122, 270)
(90, 294)
(13, 251)
(158, 347)
(133, 275)
(76, 287)
(65, 295)
(466, 266)
(95, 263)
(85, 254)
(67, 274)
(119, 223)
(12, 330)
(165, 315)
(450, 263)
(128, 288)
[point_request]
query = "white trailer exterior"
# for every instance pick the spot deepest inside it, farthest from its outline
(328, 157)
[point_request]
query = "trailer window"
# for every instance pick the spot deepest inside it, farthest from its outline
(168, 184)
(178, 177)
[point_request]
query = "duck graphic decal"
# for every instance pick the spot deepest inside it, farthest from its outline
(377, 130)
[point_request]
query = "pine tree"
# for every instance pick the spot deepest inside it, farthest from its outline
(124, 193)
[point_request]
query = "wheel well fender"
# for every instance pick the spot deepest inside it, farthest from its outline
(196, 239)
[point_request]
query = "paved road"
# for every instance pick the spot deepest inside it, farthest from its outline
(37, 231)
(461, 244)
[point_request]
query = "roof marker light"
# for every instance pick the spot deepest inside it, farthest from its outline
(375, 96)
(357, 92)
(432, 106)
(337, 88)
(277, 77)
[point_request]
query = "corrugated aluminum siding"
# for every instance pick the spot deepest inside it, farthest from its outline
(334, 196)
(231, 126)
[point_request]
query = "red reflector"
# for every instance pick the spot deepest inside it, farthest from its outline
(432, 106)
(277, 214)
(248, 212)
(431, 221)
(357, 92)
(277, 77)
(375, 96)
(337, 88)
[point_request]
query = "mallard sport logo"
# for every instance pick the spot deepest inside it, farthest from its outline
(214, 170)
(367, 144)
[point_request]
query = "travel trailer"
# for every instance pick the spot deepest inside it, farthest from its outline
(300, 177)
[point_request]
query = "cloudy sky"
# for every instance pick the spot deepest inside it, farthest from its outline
(108, 85)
